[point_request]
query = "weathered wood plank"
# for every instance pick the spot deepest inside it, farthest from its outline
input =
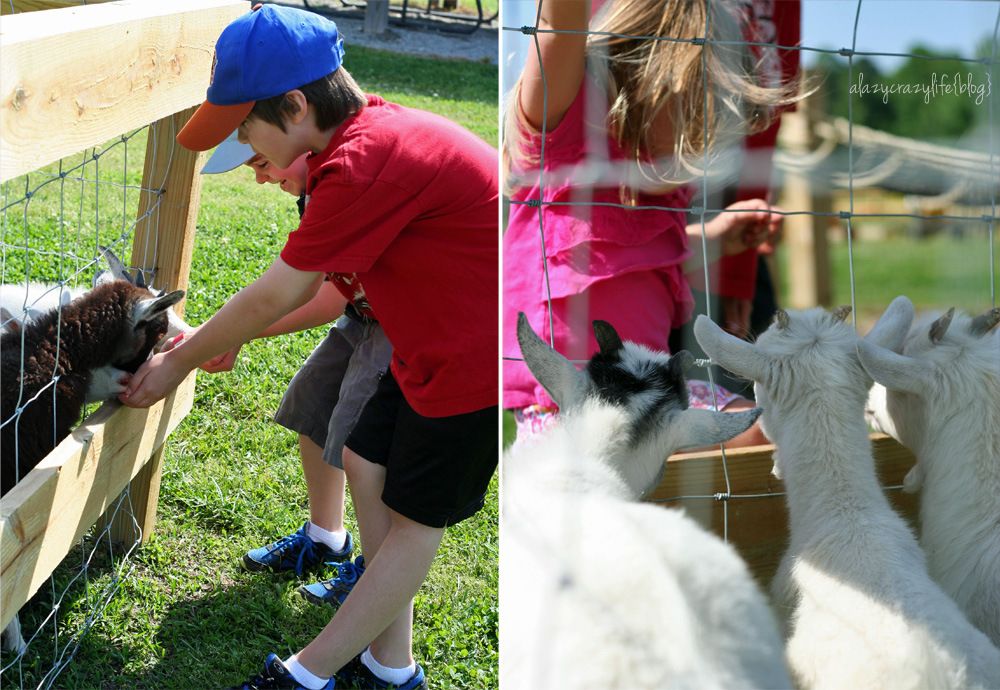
(77, 77)
(48, 511)
(757, 519)
(19, 6)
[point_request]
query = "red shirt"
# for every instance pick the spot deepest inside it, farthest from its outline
(404, 204)
(767, 21)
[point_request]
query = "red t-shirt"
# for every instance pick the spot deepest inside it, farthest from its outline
(403, 204)
(776, 22)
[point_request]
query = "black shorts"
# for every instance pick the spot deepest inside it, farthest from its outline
(437, 468)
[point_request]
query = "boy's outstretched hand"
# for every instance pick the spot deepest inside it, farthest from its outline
(154, 380)
(223, 362)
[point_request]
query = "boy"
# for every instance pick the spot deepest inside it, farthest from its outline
(322, 403)
(402, 215)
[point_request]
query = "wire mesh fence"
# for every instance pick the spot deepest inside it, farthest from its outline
(55, 224)
(967, 181)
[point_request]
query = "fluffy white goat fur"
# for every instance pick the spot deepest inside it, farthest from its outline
(24, 302)
(600, 591)
(863, 612)
(943, 403)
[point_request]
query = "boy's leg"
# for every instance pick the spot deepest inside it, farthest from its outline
(325, 484)
(410, 476)
(379, 610)
(306, 408)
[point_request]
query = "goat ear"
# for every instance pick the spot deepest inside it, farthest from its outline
(103, 277)
(781, 319)
(708, 428)
(556, 373)
(118, 269)
(738, 356)
(8, 322)
(607, 338)
(841, 313)
(984, 323)
(147, 309)
(891, 328)
(940, 327)
(681, 361)
(894, 371)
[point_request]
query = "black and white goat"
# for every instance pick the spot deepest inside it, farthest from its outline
(598, 590)
(108, 332)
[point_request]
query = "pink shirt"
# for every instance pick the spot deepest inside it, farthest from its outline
(622, 265)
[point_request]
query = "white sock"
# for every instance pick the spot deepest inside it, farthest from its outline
(394, 676)
(303, 675)
(335, 540)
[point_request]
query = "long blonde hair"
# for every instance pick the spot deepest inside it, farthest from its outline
(649, 54)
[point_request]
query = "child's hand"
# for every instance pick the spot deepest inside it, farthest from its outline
(177, 340)
(223, 362)
(154, 380)
(747, 224)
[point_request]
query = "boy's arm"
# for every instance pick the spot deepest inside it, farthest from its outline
(325, 306)
(281, 290)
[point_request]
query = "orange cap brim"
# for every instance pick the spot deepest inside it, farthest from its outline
(211, 124)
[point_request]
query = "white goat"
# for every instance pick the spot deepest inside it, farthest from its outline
(943, 403)
(864, 614)
(600, 591)
(23, 302)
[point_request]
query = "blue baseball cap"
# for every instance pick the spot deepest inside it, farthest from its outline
(262, 54)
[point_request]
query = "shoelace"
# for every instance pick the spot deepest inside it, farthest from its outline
(347, 573)
(308, 548)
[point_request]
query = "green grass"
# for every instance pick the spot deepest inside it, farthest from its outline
(936, 273)
(188, 616)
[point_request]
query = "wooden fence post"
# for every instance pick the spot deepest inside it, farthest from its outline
(376, 17)
(805, 235)
(162, 247)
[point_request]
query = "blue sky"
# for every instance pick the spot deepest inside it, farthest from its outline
(884, 26)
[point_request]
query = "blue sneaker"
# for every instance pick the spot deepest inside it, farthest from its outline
(295, 552)
(335, 590)
(357, 676)
(276, 676)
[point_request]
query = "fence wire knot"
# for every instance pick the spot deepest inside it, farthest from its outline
(722, 496)
(529, 30)
(845, 215)
(534, 203)
(697, 41)
(702, 362)
(846, 52)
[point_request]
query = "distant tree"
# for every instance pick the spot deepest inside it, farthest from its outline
(943, 92)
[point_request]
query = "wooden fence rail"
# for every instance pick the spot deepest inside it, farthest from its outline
(70, 79)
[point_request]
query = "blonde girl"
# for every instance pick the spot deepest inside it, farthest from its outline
(604, 132)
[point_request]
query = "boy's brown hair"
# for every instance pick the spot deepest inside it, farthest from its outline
(334, 98)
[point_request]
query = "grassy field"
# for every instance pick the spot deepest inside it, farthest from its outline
(936, 273)
(188, 617)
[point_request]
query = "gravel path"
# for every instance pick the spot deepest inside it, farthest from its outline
(419, 36)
